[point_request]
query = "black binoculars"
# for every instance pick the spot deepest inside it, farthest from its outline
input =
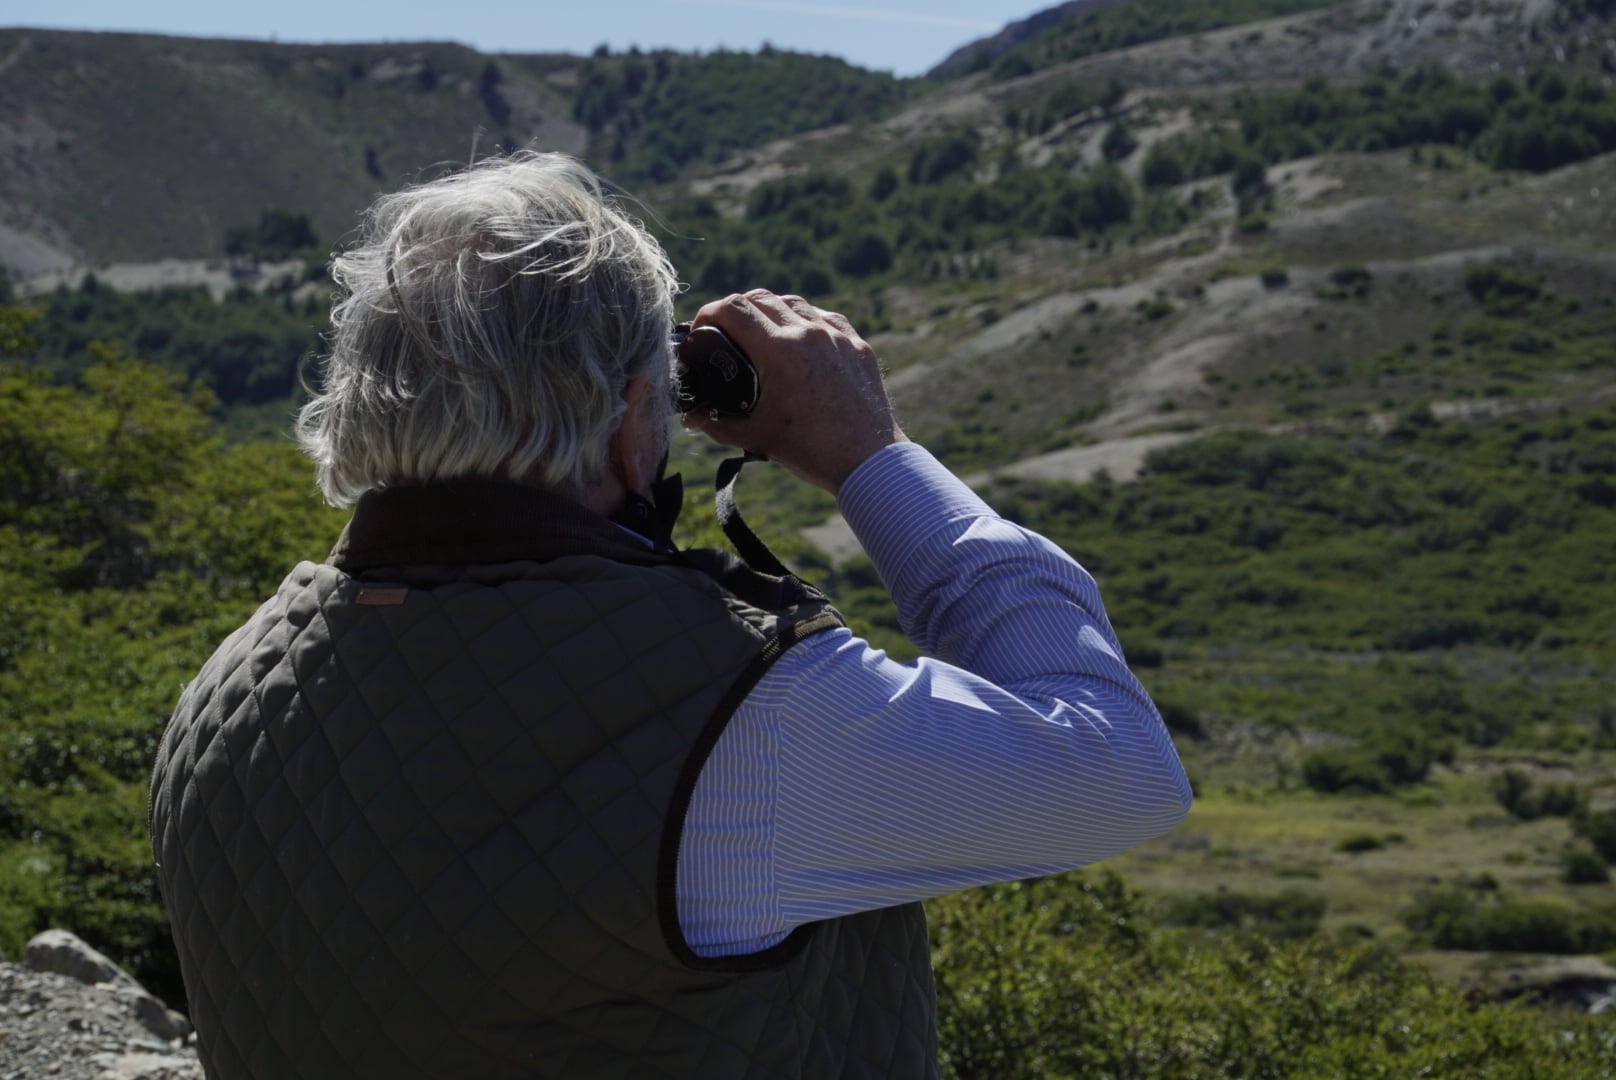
(714, 375)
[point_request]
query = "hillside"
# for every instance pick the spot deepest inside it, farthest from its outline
(129, 147)
(1318, 312)
(974, 55)
(203, 136)
(132, 148)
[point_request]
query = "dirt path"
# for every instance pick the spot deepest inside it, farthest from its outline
(1121, 459)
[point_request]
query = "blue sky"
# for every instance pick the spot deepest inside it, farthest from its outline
(905, 36)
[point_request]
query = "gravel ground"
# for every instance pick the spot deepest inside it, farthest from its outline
(56, 1028)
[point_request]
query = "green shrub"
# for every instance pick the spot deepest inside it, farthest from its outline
(1388, 761)
(1283, 916)
(1511, 789)
(1581, 866)
(1349, 282)
(1065, 977)
(1162, 167)
(1517, 794)
(1343, 769)
(133, 541)
(1449, 918)
(943, 157)
(1274, 277)
(278, 235)
(1502, 291)
(1118, 143)
(1496, 123)
(1181, 719)
(1599, 829)
(1360, 842)
(654, 115)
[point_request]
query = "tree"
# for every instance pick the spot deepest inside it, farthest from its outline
(865, 254)
(941, 158)
(1119, 142)
(279, 234)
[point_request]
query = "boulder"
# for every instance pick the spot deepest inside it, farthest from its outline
(63, 953)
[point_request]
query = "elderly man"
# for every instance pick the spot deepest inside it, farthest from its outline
(512, 787)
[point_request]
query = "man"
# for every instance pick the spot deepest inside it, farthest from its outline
(510, 787)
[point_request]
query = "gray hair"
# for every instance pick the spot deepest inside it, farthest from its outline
(488, 324)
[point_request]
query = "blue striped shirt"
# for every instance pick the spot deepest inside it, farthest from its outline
(1019, 745)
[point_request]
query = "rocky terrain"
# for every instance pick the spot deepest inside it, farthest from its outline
(69, 1013)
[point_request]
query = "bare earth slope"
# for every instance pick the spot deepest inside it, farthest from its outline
(1145, 383)
(125, 147)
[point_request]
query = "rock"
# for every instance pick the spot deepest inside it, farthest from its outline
(65, 953)
(144, 1066)
(58, 1027)
(153, 1015)
(60, 952)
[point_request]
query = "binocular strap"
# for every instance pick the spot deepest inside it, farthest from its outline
(753, 551)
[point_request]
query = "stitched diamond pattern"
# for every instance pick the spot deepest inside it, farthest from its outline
(422, 841)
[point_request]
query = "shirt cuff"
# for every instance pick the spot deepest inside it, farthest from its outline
(897, 497)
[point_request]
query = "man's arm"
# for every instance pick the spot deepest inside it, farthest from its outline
(847, 782)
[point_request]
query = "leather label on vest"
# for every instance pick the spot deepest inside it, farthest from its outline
(382, 597)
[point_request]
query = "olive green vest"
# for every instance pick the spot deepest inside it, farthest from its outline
(420, 817)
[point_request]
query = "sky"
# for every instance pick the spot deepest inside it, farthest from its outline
(903, 36)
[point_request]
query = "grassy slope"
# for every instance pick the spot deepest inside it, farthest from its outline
(1089, 364)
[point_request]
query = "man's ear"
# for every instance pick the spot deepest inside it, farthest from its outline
(635, 438)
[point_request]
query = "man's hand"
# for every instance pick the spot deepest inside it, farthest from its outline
(822, 409)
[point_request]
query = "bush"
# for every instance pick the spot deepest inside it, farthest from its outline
(1511, 789)
(1065, 977)
(1599, 829)
(941, 158)
(1179, 718)
(1349, 282)
(1502, 291)
(1154, 309)
(1516, 793)
(1360, 842)
(1559, 800)
(865, 254)
(278, 235)
(1581, 866)
(1163, 167)
(1343, 769)
(1390, 760)
(1118, 143)
(1285, 916)
(145, 540)
(1450, 918)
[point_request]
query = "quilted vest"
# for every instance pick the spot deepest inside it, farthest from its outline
(420, 817)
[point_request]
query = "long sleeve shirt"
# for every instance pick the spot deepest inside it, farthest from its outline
(1020, 745)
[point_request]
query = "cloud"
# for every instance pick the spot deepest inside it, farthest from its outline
(831, 11)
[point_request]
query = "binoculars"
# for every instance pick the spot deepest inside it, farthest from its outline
(713, 374)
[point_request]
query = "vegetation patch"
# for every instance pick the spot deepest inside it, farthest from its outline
(654, 115)
(1104, 28)
(1543, 123)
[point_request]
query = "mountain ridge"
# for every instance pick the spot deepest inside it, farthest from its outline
(203, 135)
(975, 54)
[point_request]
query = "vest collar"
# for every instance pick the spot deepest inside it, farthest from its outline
(471, 522)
